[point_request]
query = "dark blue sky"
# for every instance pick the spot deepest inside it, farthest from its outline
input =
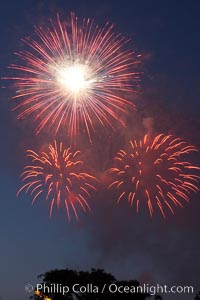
(167, 34)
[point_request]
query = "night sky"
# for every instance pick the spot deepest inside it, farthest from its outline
(166, 33)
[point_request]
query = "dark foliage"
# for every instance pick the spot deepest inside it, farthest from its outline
(93, 285)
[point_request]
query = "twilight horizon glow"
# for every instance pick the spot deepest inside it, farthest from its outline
(155, 173)
(74, 75)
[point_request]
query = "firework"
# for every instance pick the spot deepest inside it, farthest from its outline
(155, 173)
(57, 175)
(73, 74)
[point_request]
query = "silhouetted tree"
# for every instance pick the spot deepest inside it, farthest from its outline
(93, 285)
(197, 297)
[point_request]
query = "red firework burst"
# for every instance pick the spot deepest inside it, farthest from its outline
(56, 176)
(156, 172)
(74, 73)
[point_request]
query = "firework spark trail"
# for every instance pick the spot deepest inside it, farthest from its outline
(155, 172)
(56, 176)
(74, 74)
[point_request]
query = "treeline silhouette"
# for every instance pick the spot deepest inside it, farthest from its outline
(93, 285)
(96, 284)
